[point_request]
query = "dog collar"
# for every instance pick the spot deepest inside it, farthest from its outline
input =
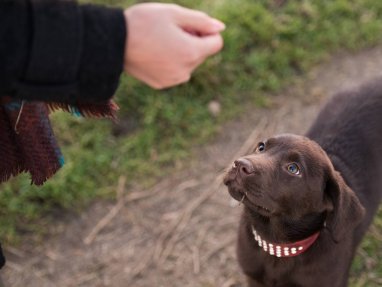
(285, 249)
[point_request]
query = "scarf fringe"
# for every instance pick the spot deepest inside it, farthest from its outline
(5, 175)
(102, 110)
(40, 178)
(36, 178)
(28, 142)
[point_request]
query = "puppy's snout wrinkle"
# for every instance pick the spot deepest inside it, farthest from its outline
(244, 166)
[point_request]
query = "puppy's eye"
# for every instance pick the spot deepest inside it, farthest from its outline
(293, 168)
(260, 147)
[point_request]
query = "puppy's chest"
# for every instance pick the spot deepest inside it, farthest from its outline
(272, 271)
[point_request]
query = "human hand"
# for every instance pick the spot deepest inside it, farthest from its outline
(166, 42)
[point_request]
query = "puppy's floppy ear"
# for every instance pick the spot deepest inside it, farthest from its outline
(347, 211)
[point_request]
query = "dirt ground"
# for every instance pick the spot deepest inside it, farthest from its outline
(182, 231)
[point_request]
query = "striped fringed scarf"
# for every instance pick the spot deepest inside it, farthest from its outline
(27, 140)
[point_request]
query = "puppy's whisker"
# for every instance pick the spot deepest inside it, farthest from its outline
(222, 170)
(242, 199)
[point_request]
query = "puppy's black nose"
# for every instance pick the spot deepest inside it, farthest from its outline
(244, 165)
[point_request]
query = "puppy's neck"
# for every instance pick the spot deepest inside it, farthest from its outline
(284, 229)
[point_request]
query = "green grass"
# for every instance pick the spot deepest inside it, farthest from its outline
(367, 266)
(266, 47)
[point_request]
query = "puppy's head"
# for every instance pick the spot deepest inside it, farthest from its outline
(291, 176)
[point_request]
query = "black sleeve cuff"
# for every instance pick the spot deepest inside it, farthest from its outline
(102, 52)
(76, 53)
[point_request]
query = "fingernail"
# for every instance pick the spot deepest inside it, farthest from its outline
(219, 25)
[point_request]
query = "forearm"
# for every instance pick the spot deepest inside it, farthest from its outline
(59, 51)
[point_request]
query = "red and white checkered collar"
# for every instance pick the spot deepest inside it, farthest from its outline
(285, 249)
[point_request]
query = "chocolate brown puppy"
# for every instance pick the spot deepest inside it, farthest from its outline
(308, 200)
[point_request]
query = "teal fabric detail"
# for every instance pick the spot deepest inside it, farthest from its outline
(61, 161)
(13, 106)
(75, 111)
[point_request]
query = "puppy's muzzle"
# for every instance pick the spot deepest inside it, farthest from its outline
(244, 166)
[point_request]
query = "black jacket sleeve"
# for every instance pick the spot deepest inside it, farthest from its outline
(59, 51)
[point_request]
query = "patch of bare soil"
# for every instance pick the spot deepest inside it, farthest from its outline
(181, 232)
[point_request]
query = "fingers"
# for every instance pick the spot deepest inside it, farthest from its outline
(184, 41)
(205, 31)
(202, 48)
(208, 45)
(198, 22)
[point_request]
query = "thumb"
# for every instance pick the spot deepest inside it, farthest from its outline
(209, 45)
(198, 22)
